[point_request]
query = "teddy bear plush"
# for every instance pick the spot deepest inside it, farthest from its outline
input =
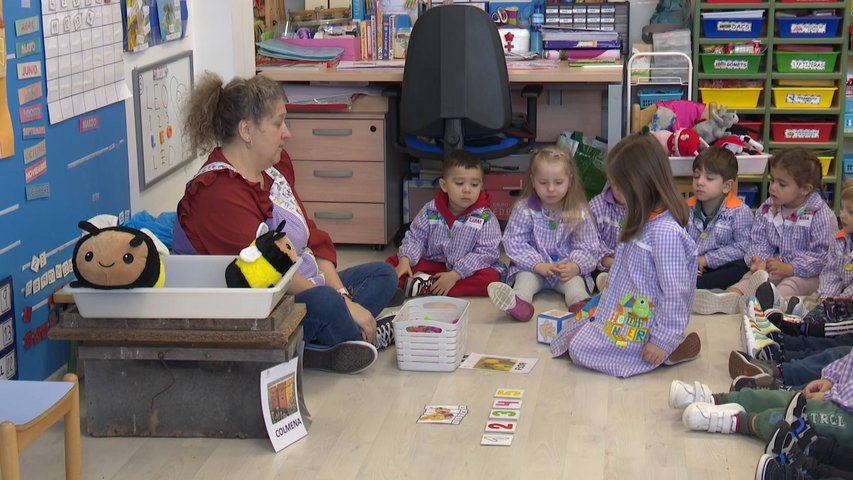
(116, 257)
(264, 262)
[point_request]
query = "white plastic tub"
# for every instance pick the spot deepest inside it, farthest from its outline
(431, 334)
(747, 165)
(195, 288)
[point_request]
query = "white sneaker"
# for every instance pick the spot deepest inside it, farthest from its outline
(712, 418)
(755, 281)
(706, 302)
(682, 394)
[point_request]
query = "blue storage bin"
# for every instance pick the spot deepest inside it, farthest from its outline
(748, 193)
(848, 166)
(648, 96)
(808, 27)
(732, 27)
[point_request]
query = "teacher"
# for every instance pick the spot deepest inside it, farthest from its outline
(247, 180)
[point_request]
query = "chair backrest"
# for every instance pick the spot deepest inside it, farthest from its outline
(455, 69)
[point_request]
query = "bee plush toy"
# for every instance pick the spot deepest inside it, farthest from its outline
(264, 262)
(116, 257)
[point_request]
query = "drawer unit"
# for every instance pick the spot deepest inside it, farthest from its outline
(336, 139)
(340, 181)
(350, 222)
(348, 174)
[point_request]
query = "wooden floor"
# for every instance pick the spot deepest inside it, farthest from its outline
(574, 423)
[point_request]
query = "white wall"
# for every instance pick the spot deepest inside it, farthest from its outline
(219, 32)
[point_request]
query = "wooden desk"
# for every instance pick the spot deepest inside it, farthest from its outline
(607, 78)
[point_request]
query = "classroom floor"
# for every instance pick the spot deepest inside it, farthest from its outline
(574, 423)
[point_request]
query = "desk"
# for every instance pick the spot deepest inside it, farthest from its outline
(607, 78)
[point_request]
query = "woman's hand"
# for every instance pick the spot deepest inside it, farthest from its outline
(653, 354)
(404, 267)
(444, 282)
(815, 389)
(364, 319)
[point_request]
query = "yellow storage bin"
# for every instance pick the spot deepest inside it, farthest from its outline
(825, 161)
(803, 97)
(731, 97)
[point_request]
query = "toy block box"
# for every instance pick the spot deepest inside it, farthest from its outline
(549, 324)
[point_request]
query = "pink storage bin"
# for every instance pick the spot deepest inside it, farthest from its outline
(351, 45)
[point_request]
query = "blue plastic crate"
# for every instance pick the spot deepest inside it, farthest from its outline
(648, 96)
(808, 27)
(848, 164)
(733, 27)
(748, 193)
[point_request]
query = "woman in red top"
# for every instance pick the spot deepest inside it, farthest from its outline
(248, 180)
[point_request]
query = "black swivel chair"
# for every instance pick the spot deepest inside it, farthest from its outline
(455, 90)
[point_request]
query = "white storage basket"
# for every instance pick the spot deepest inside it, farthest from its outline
(431, 334)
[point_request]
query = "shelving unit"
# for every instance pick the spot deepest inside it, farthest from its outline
(766, 111)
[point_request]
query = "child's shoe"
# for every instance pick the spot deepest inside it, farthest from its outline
(756, 280)
(687, 350)
(770, 353)
(385, 330)
(347, 357)
(682, 394)
(419, 285)
(706, 302)
(761, 381)
(741, 364)
(767, 296)
(507, 301)
(757, 317)
(786, 323)
(771, 468)
(712, 418)
(577, 306)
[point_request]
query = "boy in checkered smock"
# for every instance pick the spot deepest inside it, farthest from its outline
(453, 244)
(719, 224)
(550, 238)
(640, 319)
(792, 232)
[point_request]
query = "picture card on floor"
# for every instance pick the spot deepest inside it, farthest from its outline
(443, 414)
(497, 362)
(496, 414)
(496, 440)
(509, 393)
(501, 426)
(507, 404)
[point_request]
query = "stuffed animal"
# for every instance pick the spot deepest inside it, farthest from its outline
(738, 144)
(717, 126)
(663, 119)
(264, 262)
(684, 143)
(116, 257)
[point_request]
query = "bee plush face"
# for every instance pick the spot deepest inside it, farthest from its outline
(115, 257)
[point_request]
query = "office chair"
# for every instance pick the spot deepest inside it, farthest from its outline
(455, 92)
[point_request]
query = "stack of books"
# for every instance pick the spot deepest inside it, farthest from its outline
(581, 47)
(275, 53)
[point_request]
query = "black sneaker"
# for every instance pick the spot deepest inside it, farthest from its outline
(762, 381)
(766, 296)
(385, 330)
(419, 285)
(346, 357)
(770, 468)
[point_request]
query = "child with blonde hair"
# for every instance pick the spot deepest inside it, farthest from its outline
(640, 319)
(550, 238)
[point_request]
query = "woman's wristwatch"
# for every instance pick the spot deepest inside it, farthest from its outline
(344, 293)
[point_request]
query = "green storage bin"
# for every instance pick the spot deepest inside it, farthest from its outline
(806, 62)
(731, 62)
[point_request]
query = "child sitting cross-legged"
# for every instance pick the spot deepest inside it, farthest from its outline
(719, 224)
(453, 245)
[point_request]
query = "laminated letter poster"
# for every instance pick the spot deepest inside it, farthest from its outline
(84, 60)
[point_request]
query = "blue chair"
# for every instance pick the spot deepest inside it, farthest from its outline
(455, 92)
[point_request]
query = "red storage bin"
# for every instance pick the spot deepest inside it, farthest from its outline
(758, 126)
(801, 132)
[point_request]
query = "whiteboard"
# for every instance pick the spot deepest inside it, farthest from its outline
(159, 93)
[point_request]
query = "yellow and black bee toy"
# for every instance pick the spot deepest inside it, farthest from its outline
(116, 257)
(264, 262)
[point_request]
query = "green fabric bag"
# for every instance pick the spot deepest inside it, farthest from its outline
(590, 161)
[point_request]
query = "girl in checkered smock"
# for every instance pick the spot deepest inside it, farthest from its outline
(550, 239)
(640, 319)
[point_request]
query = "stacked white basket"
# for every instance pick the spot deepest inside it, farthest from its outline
(431, 334)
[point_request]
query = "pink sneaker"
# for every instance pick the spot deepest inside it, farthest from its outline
(506, 300)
